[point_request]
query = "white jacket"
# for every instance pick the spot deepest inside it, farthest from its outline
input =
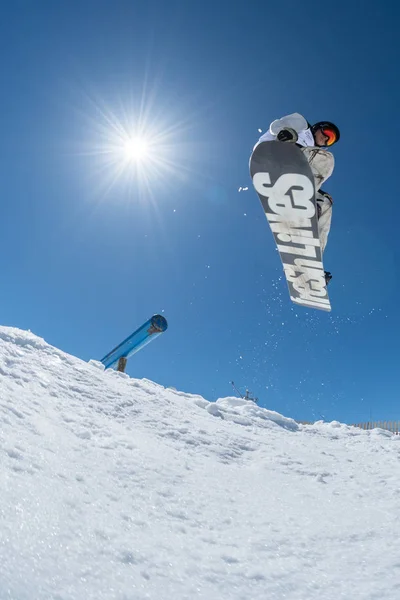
(294, 121)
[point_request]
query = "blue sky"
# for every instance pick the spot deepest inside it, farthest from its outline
(87, 256)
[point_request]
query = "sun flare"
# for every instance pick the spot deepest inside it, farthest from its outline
(138, 147)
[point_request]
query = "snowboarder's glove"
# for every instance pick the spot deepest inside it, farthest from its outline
(287, 135)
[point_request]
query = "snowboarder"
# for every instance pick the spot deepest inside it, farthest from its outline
(313, 141)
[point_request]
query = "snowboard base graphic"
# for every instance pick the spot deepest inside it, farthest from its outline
(285, 185)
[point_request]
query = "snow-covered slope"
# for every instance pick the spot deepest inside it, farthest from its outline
(114, 488)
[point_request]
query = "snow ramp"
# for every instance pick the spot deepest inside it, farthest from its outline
(114, 488)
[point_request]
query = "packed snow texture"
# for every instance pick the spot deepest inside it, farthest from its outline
(115, 488)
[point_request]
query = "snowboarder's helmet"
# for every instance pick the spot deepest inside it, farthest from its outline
(329, 129)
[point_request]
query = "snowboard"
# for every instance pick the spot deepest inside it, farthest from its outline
(285, 185)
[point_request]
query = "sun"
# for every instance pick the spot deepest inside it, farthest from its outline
(136, 149)
(139, 146)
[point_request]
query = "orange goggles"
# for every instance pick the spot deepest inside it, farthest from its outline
(330, 134)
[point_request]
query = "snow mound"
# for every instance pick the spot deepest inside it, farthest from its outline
(246, 412)
(114, 488)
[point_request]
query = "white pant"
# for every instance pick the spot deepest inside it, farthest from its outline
(322, 163)
(324, 205)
